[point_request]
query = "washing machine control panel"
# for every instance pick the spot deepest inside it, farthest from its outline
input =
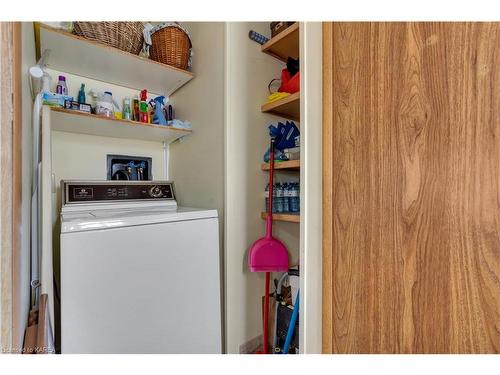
(77, 191)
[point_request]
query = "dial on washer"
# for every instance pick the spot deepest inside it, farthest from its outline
(155, 191)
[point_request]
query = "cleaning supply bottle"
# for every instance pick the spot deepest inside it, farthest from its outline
(61, 87)
(126, 113)
(135, 109)
(104, 105)
(159, 116)
(81, 94)
(143, 107)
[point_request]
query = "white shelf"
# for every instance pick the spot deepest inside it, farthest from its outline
(76, 55)
(83, 123)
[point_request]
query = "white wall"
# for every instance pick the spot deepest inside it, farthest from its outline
(197, 162)
(248, 72)
(80, 156)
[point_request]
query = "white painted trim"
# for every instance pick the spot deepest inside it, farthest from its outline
(311, 58)
(227, 134)
(48, 214)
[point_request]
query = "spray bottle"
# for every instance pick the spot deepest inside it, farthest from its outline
(143, 107)
(159, 117)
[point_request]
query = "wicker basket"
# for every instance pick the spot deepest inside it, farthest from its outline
(170, 45)
(126, 36)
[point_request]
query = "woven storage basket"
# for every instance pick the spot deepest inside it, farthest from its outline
(170, 45)
(126, 36)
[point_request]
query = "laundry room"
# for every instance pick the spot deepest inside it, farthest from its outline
(151, 153)
(258, 181)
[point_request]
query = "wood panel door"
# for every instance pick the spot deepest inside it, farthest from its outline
(411, 188)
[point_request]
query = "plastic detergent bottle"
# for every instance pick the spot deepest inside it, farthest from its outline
(104, 105)
(279, 198)
(61, 87)
(286, 193)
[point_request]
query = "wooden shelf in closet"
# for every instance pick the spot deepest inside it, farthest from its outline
(292, 165)
(287, 107)
(69, 121)
(76, 55)
(285, 44)
(290, 218)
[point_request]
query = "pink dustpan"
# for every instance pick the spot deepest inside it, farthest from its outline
(268, 254)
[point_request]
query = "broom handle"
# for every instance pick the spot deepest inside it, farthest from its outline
(269, 221)
(266, 314)
(269, 233)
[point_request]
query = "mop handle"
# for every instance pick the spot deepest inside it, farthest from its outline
(266, 314)
(291, 326)
(269, 221)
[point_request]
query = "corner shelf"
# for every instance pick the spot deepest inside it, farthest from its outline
(292, 165)
(70, 121)
(76, 55)
(290, 218)
(285, 44)
(288, 107)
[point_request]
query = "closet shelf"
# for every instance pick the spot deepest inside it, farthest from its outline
(69, 121)
(285, 44)
(76, 55)
(290, 218)
(288, 107)
(293, 165)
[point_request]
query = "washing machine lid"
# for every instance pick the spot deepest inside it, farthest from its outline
(101, 218)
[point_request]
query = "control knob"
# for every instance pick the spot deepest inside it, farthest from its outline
(155, 191)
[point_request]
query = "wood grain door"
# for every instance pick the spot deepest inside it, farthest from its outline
(411, 188)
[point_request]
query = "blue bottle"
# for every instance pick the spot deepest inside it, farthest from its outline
(286, 196)
(275, 200)
(279, 198)
(294, 198)
(159, 117)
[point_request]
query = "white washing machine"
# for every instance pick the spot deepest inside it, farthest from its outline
(138, 273)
